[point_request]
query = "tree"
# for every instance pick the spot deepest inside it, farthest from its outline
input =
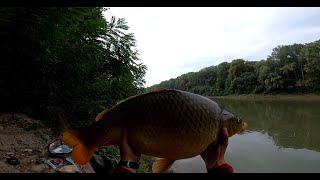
(311, 55)
(67, 62)
(288, 62)
(289, 69)
(222, 74)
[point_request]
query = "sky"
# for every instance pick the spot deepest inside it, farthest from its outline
(176, 40)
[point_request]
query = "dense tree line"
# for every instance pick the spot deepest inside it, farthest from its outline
(289, 69)
(66, 63)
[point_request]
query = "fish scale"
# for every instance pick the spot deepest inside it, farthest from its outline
(169, 124)
(157, 137)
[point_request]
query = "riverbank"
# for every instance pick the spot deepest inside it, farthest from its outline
(26, 140)
(306, 97)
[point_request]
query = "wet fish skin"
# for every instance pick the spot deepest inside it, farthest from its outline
(169, 124)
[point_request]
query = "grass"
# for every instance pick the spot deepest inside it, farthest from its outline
(145, 161)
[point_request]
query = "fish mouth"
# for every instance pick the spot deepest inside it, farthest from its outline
(244, 127)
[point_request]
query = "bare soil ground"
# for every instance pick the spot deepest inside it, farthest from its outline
(27, 140)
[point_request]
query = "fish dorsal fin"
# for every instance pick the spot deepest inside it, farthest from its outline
(161, 165)
(161, 90)
(101, 114)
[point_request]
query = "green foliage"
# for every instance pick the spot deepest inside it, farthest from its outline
(69, 63)
(289, 69)
(145, 163)
(311, 55)
(110, 150)
(245, 84)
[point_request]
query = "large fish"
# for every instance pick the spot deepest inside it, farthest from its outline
(168, 124)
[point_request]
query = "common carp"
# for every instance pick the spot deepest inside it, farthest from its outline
(168, 124)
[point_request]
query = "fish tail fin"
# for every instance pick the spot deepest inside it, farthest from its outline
(82, 153)
(161, 165)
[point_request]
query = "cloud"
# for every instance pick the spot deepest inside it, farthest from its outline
(175, 40)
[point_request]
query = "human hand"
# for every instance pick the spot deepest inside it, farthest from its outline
(223, 141)
(126, 151)
(214, 154)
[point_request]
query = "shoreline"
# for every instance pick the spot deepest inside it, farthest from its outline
(306, 97)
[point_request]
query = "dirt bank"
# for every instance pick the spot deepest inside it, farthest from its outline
(27, 140)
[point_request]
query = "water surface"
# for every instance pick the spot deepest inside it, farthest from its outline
(283, 136)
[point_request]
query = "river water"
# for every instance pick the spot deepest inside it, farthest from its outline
(283, 136)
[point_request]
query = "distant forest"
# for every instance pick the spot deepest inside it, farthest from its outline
(290, 69)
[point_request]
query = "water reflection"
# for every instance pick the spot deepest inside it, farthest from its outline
(283, 136)
(292, 124)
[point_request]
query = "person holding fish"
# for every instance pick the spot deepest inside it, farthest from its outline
(170, 124)
(129, 155)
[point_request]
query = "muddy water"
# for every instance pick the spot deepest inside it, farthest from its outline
(283, 136)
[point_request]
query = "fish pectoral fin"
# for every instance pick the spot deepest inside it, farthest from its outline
(210, 155)
(161, 165)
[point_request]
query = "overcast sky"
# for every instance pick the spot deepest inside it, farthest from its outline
(176, 40)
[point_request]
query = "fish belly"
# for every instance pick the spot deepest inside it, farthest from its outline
(170, 143)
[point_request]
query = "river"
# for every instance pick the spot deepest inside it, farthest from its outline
(283, 136)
